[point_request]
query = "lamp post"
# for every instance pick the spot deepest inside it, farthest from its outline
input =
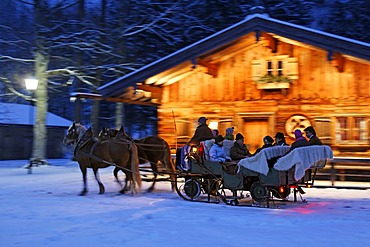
(31, 85)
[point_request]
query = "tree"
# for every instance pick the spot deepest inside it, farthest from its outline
(66, 48)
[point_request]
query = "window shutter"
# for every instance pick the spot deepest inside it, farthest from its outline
(258, 69)
(291, 68)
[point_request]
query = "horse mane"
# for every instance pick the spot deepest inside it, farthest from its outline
(81, 130)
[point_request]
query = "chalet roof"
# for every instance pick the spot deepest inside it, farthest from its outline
(252, 23)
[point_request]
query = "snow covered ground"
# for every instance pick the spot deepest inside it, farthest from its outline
(44, 209)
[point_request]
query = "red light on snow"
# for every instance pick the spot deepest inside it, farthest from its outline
(293, 186)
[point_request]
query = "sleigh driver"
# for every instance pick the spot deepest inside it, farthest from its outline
(202, 133)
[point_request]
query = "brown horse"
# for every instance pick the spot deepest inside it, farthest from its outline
(151, 149)
(92, 153)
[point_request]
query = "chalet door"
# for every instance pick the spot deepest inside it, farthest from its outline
(254, 129)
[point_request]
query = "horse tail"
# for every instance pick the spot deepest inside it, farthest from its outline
(136, 176)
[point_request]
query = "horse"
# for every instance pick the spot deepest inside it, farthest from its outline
(92, 153)
(152, 149)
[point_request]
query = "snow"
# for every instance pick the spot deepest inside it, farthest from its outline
(26, 115)
(44, 209)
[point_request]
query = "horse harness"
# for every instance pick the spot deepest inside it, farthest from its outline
(91, 155)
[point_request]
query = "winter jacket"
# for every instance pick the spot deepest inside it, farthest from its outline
(238, 152)
(217, 153)
(299, 143)
(202, 133)
(314, 140)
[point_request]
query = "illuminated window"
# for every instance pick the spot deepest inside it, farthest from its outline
(275, 67)
(352, 129)
(270, 68)
(182, 127)
(280, 68)
(322, 127)
(223, 125)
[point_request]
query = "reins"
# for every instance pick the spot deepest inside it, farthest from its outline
(90, 154)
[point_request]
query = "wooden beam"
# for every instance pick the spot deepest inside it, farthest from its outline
(176, 73)
(149, 88)
(338, 61)
(154, 79)
(179, 77)
(272, 42)
(152, 102)
(212, 68)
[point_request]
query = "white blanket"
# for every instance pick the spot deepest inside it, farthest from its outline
(207, 146)
(258, 163)
(303, 158)
(227, 146)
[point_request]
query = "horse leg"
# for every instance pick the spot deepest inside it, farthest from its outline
(171, 169)
(101, 186)
(173, 178)
(115, 173)
(127, 183)
(84, 172)
(155, 173)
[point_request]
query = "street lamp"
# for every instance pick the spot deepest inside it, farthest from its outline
(31, 85)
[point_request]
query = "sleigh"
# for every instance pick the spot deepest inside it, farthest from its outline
(271, 174)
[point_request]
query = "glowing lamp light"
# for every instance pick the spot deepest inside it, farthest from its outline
(281, 189)
(31, 84)
(213, 125)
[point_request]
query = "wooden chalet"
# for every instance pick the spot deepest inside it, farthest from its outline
(261, 76)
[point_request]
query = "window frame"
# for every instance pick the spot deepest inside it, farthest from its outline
(350, 130)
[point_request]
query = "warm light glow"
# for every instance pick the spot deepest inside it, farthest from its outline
(213, 125)
(31, 84)
(281, 189)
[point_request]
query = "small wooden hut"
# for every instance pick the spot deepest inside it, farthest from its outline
(16, 132)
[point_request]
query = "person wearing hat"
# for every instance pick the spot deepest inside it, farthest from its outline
(202, 132)
(267, 142)
(280, 139)
(239, 151)
(229, 134)
(300, 141)
(217, 152)
(311, 134)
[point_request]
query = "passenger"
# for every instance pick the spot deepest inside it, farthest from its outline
(215, 132)
(300, 141)
(239, 150)
(280, 140)
(311, 134)
(229, 134)
(217, 152)
(202, 133)
(267, 142)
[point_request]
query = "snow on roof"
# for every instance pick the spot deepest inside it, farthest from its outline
(26, 115)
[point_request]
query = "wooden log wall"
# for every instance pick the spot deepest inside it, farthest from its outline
(324, 88)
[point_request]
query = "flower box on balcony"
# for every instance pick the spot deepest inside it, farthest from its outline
(273, 85)
(273, 82)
